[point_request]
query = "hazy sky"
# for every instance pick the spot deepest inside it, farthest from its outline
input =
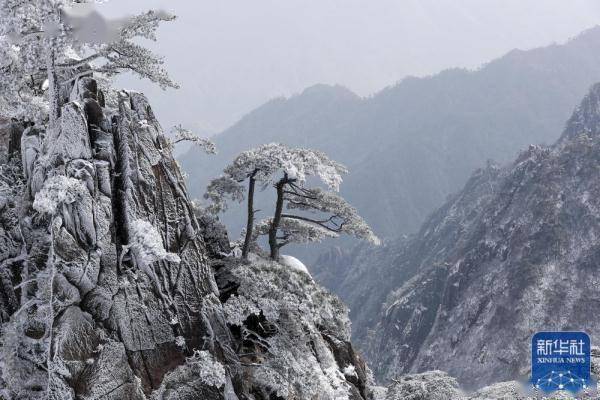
(231, 56)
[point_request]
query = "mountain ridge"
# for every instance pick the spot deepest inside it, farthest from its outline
(415, 143)
(511, 254)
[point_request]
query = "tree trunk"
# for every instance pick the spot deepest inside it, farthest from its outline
(53, 89)
(250, 220)
(276, 220)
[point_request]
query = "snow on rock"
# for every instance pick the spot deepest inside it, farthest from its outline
(147, 245)
(296, 334)
(104, 260)
(99, 184)
(431, 385)
(504, 390)
(515, 238)
(68, 141)
(294, 264)
(56, 191)
(350, 371)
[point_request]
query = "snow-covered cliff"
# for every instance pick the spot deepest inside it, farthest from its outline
(294, 336)
(106, 284)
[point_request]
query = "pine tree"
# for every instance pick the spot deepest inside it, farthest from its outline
(322, 213)
(43, 50)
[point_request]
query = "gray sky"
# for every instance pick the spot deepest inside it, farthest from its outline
(230, 56)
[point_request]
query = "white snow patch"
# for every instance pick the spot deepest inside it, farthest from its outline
(294, 263)
(237, 252)
(209, 370)
(147, 244)
(291, 170)
(180, 341)
(56, 191)
(350, 371)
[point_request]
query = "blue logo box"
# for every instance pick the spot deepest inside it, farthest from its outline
(561, 361)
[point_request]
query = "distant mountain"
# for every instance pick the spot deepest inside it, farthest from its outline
(515, 252)
(411, 145)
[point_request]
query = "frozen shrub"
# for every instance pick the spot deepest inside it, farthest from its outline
(57, 190)
(147, 245)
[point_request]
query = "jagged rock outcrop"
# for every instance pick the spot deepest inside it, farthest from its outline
(114, 324)
(294, 336)
(511, 254)
(106, 288)
(431, 385)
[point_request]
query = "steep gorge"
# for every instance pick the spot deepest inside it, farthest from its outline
(513, 253)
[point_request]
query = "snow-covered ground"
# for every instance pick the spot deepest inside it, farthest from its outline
(294, 264)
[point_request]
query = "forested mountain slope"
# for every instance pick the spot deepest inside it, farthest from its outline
(513, 253)
(412, 144)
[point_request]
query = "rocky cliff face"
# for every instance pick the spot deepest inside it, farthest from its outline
(114, 325)
(106, 288)
(293, 336)
(513, 253)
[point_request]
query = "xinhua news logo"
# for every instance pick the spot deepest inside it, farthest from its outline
(561, 361)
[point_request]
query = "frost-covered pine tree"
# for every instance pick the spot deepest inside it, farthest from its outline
(43, 48)
(181, 134)
(321, 213)
(256, 165)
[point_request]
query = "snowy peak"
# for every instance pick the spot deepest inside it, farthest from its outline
(586, 118)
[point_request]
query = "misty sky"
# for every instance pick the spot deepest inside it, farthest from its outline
(231, 56)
